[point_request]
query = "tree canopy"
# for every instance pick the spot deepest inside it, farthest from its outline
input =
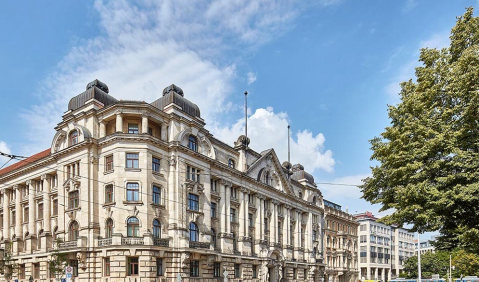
(428, 158)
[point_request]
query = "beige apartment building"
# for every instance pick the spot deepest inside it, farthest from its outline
(341, 244)
(140, 191)
(382, 248)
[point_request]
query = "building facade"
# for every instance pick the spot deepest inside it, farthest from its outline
(426, 246)
(382, 248)
(341, 244)
(136, 191)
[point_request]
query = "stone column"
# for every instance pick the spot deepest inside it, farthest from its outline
(31, 207)
(164, 132)
(6, 215)
(286, 226)
(47, 222)
(119, 122)
(274, 217)
(257, 222)
(18, 211)
(102, 129)
(241, 217)
(222, 208)
(144, 124)
(298, 229)
(246, 211)
(228, 206)
(261, 217)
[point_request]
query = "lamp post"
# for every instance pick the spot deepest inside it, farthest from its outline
(418, 258)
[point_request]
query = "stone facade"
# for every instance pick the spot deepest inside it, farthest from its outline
(135, 192)
(341, 245)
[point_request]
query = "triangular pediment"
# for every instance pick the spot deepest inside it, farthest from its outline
(268, 170)
(72, 183)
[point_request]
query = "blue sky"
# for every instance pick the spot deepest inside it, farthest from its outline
(327, 67)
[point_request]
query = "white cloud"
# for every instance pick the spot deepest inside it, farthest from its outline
(337, 190)
(437, 40)
(251, 77)
(407, 70)
(268, 129)
(148, 45)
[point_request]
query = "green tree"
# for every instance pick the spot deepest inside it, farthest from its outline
(428, 158)
(57, 261)
(466, 264)
(8, 265)
(431, 263)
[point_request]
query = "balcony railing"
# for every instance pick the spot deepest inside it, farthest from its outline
(68, 244)
(104, 242)
(132, 241)
(161, 242)
(199, 245)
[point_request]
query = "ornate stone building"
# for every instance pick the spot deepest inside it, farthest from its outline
(141, 191)
(341, 244)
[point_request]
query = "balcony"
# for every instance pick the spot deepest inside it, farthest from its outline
(161, 242)
(105, 242)
(132, 241)
(199, 245)
(68, 244)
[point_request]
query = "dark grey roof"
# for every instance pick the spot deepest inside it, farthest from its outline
(174, 94)
(94, 90)
(299, 173)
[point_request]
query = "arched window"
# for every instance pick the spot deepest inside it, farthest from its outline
(73, 231)
(73, 137)
(194, 233)
(314, 200)
(156, 228)
(133, 227)
(109, 228)
(213, 237)
(193, 143)
(266, 178)
(231, 163)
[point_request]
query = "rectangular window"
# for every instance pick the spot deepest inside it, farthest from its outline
(193, 202)
(213, 185)
(26, 215)
(36, 270)
(150, 131)
(12, 221)
(133, 128)
(132, 192)
(55, 207)
(234, 193)
(213, 210)
(250, 220)
(74, 265)
(159, 267)
(155, 164)
(156, 195)
(237, 270)
(132, 160)
(295, 273)
(73, 199)
(40, 211)
(255, 271)
(109, 193)
(233, 215)
(192, 174)
(106, 267)
(194, 268)
(21, 271)
(109, 163)
(217, 269)
(363, 227)
(133, 268)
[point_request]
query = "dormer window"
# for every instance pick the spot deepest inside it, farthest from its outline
(300, 195)
(231, 163)
(314, 200)
(267, 178)
(74, 137)
(193, 143)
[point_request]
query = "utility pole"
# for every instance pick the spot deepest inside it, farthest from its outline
(418, 258)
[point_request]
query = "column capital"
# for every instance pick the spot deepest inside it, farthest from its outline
(145, 115)
(119, 113)
(16, 186)
(275, 202)
(245, 190)
(226, 183)
(288, 207)
(261, 197)
(30, 182)
(45, 176)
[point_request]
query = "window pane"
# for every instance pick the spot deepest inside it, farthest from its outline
(132, 191)
(156, 195)
(133, 128)
(155, 164)
(132, 160)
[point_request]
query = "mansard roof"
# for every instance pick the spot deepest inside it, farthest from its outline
(174, 95)
(94, 90)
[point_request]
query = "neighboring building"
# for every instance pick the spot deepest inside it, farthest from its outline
(142, 191)
(382, 248)
(341, 244)
(426, 246)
